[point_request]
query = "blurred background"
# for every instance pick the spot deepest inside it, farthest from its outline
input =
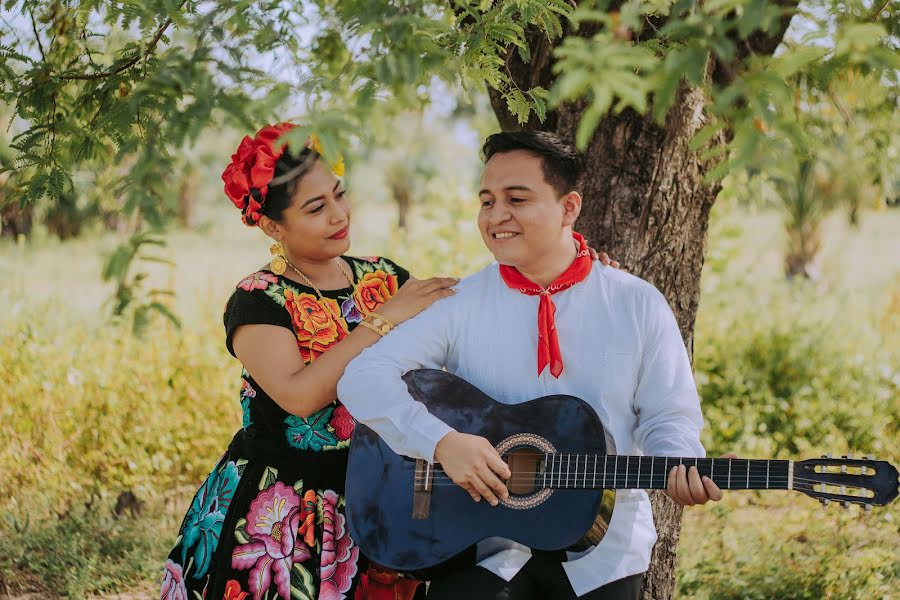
(117, 395)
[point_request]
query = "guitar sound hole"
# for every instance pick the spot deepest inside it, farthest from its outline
(526, 466)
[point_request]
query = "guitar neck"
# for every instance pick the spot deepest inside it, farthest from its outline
(591, 471)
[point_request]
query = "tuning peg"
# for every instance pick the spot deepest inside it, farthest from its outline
(843, 468)
(850, 456)
(825, 502)
(867, 507)
(826, 456)
(845, 504)
(870, 457)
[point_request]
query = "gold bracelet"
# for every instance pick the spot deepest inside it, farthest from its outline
(382, 317)
(377, 323)
(372, 327)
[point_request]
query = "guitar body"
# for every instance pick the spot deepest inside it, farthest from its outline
(380, 483)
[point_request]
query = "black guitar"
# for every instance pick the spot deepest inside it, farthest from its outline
(409, 516)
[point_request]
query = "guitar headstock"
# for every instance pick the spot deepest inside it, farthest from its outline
(848, 480)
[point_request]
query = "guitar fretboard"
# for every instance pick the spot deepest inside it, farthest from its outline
(591, 471)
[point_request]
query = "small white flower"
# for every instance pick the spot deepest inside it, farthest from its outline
(74, 377)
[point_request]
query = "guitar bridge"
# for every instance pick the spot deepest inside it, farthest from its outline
(422, 484)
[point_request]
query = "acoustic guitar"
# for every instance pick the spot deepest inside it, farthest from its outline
(409, 516)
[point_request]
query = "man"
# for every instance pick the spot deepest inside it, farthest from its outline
(542, 320)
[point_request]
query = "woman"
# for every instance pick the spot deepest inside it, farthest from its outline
(269, 520)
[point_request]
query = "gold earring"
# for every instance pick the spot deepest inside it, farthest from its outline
(278, 264)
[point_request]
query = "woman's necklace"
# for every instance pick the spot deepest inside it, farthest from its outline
(309, 282)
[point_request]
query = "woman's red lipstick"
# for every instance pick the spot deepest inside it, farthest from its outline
(341, 234)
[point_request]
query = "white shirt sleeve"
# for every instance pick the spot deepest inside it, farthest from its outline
(666, 400)
(375, 394)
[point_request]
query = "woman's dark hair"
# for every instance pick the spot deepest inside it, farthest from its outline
(561, 163)
(290, 168)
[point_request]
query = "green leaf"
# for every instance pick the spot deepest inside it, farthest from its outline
(518, 105)
(795, 59)
(706, 133)
(752, 18)
(539, 98)
(592, 116)
(166, 312)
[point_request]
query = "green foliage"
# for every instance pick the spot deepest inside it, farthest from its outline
(106, 82)
(786, 388)
(808, 553)
(88, 551)
(106, 96)
(130, 295)
(632, 63)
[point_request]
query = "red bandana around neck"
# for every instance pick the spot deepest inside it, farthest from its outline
(548, 343)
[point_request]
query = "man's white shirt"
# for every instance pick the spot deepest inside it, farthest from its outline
(622, 353)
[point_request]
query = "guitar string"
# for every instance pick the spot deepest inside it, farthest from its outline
(853, 462)
(441, 478)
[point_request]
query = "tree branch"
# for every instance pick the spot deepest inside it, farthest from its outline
(131, 62)
(758, 43)
(877, 13)
(37, 36)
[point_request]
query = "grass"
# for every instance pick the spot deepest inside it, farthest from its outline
(89, 412)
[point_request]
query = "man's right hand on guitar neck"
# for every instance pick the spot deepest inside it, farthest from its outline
(473, 464)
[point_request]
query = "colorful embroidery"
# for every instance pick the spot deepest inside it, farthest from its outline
(328, 429)
(350, 312)
(272, 525)
(247, 392)
(203, 522)
(233, 591)
(173, 583)
(315, 324)
(339, 554)
(258, 281)
(374, 289)
(342, 423)
(313, 433)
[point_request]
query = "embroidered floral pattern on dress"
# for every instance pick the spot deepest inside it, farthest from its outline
(203, 523)
(339, 553)
(342, 423)
(374, 289)
(272, 525)
(233, 591)
(350, 312)
(312, 433)
(173, 583)
(258, 281)
(247, 392)
(315, 322)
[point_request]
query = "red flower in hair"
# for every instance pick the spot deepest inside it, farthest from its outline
(253, 166)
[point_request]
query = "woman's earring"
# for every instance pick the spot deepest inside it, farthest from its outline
(278, 264)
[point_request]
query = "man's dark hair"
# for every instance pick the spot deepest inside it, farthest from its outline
(562, 164)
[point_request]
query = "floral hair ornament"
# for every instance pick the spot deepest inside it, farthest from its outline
(252, 169)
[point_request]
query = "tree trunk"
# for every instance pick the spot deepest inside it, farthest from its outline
(15, 220)
(187, 198)
(645, 203)
(402, 197)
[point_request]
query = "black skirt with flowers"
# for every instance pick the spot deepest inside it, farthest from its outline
(268, 523)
